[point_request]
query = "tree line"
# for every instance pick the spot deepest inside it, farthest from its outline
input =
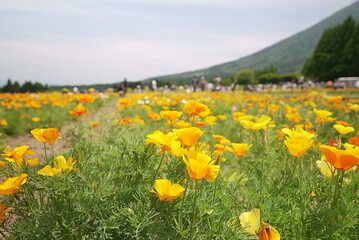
(28, 86)
(336, 54)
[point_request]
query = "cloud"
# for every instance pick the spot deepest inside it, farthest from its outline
(109, 59)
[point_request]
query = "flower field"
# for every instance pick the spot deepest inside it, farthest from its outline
(175, 165)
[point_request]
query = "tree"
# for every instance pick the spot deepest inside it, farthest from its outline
(246, 76)
(336, 54)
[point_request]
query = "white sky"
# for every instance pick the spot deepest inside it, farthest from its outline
(103, 41)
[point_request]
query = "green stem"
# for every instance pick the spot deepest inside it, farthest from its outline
(180, 218)
(159, 166)
(261, 185)
(338, 185)
(339, 145)
(194, 116)
(215, 184)
(193, 210)
(45, 152)
(52, 150)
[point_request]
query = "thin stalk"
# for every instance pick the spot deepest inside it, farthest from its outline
(52, 150)
(317, 130)
(159, 166)
(261, 185)
(337, 187)
(193, 210)
(45, 152)
(180, 217)
(215, 183)
(194, 116)
(339, 145)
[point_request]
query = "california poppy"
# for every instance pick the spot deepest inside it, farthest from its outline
(167, 191)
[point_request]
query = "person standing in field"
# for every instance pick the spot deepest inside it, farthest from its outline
(217, 83)
(203, 83)
(194, 83)
(122, 89)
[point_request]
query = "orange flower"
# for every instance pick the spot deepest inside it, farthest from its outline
(94, 124)
(78, 111)
(201, 166)
(123, 121)
(3, 212)
(341, 159)
(86, 98)
(200, 124)
(153, 116)
(240, 149)
(167, 191)
(354, 140)
(188, 136)
(268, 232)
(125, 102)
(221, 139)
(12, 185)
(193, 108)
(46, 135)
(345, 124)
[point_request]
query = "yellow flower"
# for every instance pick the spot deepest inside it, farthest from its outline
(35, 119)
(188, 136)
(221, 117)
(322, 116)
(183, 124)
(261, 123)
(162, 140)
(210, 120)
(342, 129)
(268, 232)
(12, 185)
(297, 146)
(298, 133)
(176, 149)
(170, 115)
(167, 191)
(17, 156)
(240, 149)
(3, 122)
(193, 107)
(3, 212)
(325, 168)
(250, 221)
(60, 165)
(341, 159)
(201, 166)
(46, 135)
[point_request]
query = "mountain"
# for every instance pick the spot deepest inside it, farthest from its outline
(287, 55)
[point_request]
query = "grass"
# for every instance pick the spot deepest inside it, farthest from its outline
(109, 197)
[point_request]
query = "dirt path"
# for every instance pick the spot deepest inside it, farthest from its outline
(63, 144)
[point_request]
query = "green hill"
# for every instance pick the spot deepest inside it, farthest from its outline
(287, 55)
